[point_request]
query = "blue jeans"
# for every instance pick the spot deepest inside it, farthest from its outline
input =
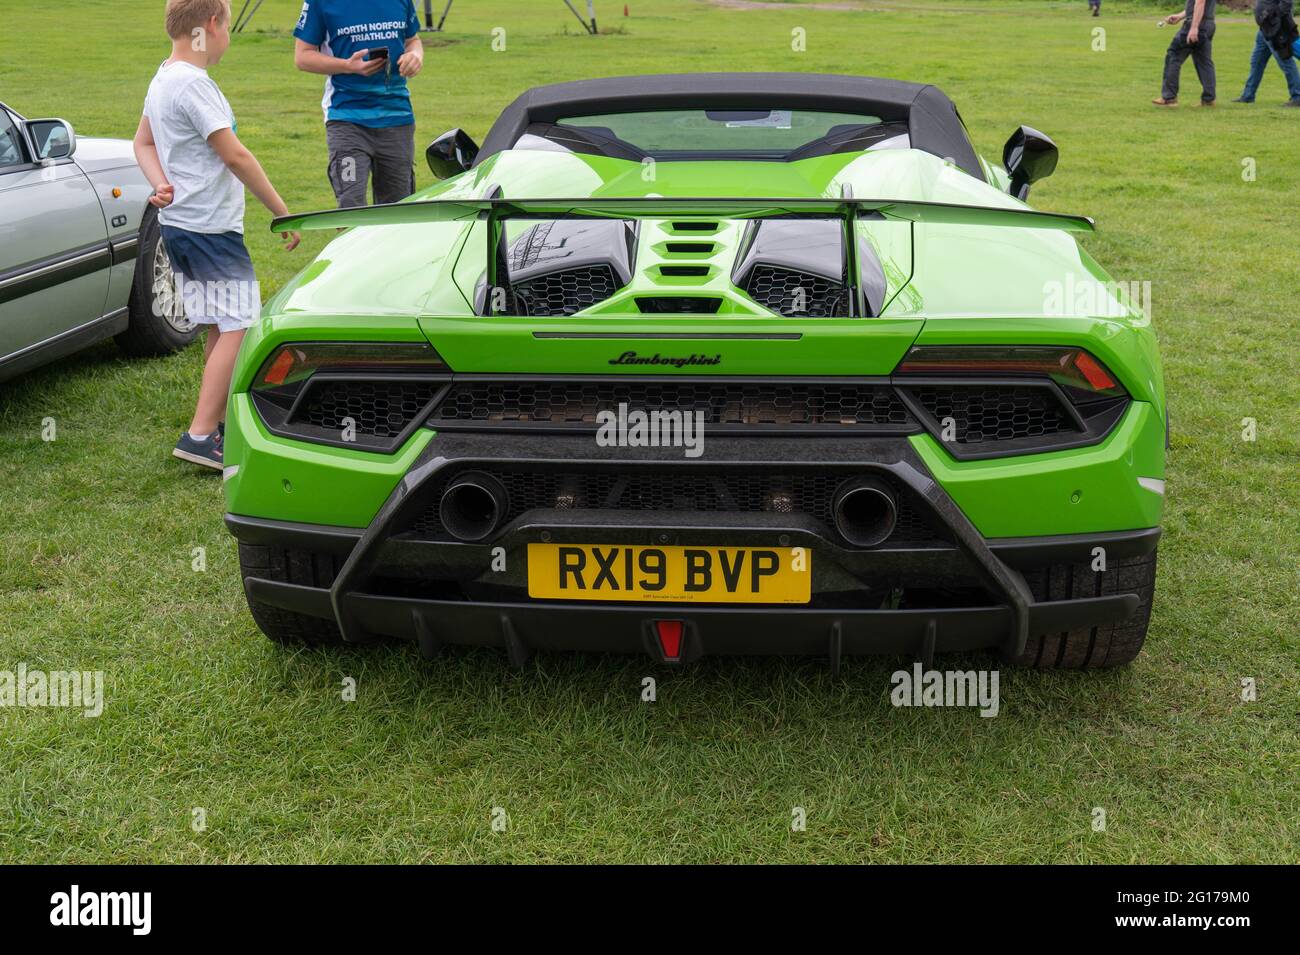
(1259, 59)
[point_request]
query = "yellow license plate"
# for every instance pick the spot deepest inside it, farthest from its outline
(677, 574)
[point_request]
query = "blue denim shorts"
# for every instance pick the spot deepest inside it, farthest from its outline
(214, 277)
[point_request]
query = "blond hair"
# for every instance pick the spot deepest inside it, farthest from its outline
(186, 16)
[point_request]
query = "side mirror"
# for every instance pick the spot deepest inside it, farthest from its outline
(1029, 156)
(451, 153)
(51, 139)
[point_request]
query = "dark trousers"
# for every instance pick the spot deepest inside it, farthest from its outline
(359, 154)
(1202, 57)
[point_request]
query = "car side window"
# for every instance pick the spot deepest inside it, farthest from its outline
(11, 142)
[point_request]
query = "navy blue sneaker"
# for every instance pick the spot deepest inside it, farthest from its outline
(206, 452)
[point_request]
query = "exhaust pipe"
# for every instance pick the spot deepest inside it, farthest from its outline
(865, 511)
(472, 506)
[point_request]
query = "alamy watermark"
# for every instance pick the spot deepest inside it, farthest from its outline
(232, 297)
(1088, 298)
(636, 428)
(128, 909)
(921, 687)
(75, 689)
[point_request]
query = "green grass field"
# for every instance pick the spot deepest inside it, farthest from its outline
(99, 526)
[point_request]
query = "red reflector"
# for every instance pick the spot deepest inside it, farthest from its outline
(670, 638)
(1092, 371)
(279, 368)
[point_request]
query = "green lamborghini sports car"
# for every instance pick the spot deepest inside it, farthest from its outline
(706, 364)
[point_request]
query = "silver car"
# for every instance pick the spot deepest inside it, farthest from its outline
(81, 257)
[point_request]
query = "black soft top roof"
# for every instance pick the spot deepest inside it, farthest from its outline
(932, 120)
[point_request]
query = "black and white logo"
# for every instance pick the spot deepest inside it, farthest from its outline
(133, 909)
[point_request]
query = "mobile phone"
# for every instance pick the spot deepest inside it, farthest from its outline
(378, 53)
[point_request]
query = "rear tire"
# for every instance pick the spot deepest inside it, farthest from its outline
(157, 319)
(293, 567)
(1109, 645)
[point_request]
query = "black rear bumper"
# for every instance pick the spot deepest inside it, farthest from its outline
(522, 628)
(363, 598)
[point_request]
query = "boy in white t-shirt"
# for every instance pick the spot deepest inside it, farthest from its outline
(187, 148)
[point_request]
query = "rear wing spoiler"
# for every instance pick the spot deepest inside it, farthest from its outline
(640, 207)
(495, 210)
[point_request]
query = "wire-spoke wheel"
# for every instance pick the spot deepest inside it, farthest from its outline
(158, 325)
(167, 305)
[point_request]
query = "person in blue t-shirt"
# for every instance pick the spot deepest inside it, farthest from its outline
(367, 49)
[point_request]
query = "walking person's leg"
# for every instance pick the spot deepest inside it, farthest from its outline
(1259, 57)
(1174, 56)
(349, 162)
(209, 343)
(220, 291)
(394, 151)
(210, 410)
(1292, 73)
(1203, 60)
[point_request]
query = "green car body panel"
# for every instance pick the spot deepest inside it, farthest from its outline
(943, 285)
(398, 283)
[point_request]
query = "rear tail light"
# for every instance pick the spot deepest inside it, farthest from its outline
(288, 368)
(1097, 376)
(368, 395)
(999, 400)
(1079, 374)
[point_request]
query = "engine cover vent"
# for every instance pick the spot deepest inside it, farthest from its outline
(562, 266)
(797, 294)
(798, 269)
(678, 304)
(564, 292)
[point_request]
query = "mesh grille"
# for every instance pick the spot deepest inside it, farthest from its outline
(735, 491)
(796, 294)
(381, 409)
(994, 412)
(565, 292)
(723, 403)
